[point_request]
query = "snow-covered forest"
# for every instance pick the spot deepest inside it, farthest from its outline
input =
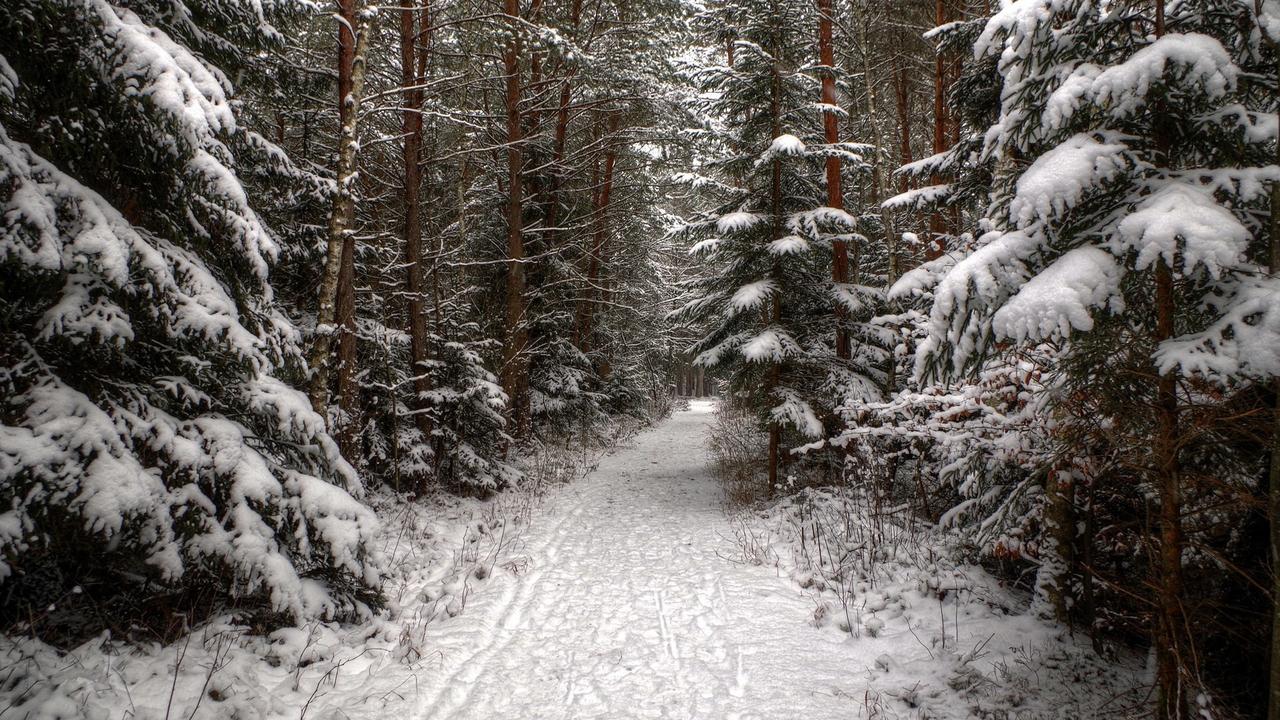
(686, 359)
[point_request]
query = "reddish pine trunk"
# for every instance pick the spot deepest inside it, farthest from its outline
(1173, 648)
(348, 391)
(835, 197)
(600, 236)
(561, 136)
(413, 74)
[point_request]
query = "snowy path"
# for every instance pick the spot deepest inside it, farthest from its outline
(627, 609)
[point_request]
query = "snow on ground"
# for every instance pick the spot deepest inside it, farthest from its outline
(627, 594)
(924, 634)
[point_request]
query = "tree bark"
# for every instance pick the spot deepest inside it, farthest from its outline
(1171, 700)
(1172, 644)
(341, 243)
(1053, 578)
(515, 363)
(1274, 474)
(902, 103)
(600, 234)
(413, 74)
(775, 205)
(937, 228)
(561, 137)
(835, 196)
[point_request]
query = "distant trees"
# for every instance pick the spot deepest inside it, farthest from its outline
(448, 291)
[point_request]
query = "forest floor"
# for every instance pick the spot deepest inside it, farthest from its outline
(627, 593)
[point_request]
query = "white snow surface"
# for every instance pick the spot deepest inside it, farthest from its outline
(627, 595)
(631, 609)
(1062, 297)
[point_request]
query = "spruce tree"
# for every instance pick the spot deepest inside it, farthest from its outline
(1128, 163)
(150, 434)
(766, 299)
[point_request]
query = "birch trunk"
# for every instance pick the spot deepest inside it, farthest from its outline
(351, 72)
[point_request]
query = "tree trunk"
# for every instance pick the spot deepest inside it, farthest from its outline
(600, 235)
(835, 196)
(515, 363)
(560, 138)
(902, 103)
(937, 228)
(878, 185)
(1274, 472)
(348, 391)
(775, 205)
(1171, 700)
(1053, 578)
(1171, 641)
(413, 73)
(340, 246)
(1274, 476)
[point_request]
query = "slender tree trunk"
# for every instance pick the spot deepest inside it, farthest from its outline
(902, 103)
(413, 74)
(597, 133)
(1053, 578)
(878, 184)
(600, 234)
(348, 391)
(934, 247)
(1274, 472)
(351, 72)
(1171, 658)
(775, 204)
(515, 365)
(835, 196)
(1172, 644)
(561, 137)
